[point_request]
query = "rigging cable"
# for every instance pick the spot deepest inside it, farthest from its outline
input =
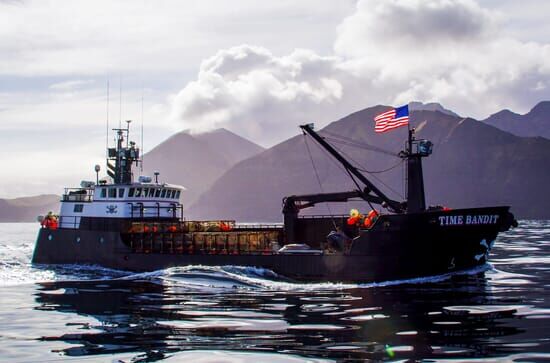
(357, 143)
(359, 189)
(142, 147)
(319, 180)
(381, 171)
(120, 102)
(107, 133)
(374, 176)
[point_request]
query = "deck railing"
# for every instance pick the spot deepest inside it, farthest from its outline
(141, 210)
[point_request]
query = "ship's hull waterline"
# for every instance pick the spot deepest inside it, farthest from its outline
(397, 247)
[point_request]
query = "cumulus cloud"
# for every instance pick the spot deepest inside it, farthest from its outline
(381, 28)
(390, 52)
(249, 89)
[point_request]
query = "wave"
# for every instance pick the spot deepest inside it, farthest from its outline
(223, 277)
(198, 277)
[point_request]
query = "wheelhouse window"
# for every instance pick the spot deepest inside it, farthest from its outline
(78, 208)
(112, 192)
(152, 192)
(172, 193)
(121, 192)
(163, 193)
(138, 192)
(157, 193)
(145, 192)
(103, 192)
(131, 192)
(178, 193)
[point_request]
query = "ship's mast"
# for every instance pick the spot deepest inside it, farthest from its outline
(123, 156)
(415, 151)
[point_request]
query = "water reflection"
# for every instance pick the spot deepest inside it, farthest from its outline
(156, 318)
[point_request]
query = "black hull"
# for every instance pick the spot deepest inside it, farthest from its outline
(397, 247)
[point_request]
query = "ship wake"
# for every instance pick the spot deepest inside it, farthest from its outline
(240, 277)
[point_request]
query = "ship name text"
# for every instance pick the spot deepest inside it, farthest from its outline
(459, 220)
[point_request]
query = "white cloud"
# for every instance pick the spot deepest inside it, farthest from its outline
(70, 85)
(250, 90)
(318, 60)
(51, 49)
(389, 52)
(64, 37)
(383, 29)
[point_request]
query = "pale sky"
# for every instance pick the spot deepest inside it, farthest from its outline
(258, 68)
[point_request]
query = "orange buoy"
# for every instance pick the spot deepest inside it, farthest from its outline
(368, 222)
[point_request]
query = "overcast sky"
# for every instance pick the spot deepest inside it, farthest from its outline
(258, 68)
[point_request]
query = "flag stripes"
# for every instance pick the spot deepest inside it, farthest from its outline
(392, 119)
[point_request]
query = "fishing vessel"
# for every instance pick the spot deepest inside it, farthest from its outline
(138, 224)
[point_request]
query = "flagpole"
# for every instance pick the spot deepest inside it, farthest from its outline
(410, 131)
(409, 146)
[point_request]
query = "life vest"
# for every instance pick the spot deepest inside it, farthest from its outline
(368, 222)
(371, 218)
(49, 222)
(225, 227)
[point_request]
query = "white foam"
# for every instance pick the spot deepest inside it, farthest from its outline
(254, 277)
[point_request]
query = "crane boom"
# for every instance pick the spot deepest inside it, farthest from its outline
(392, 204)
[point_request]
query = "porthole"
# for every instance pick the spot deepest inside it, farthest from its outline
(101, 239)
(77, 239)
(50, 237)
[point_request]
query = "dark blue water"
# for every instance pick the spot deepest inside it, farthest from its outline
(500, 312)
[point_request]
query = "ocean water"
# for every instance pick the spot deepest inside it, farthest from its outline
(499, 312)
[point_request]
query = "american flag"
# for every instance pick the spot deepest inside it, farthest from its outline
(392, 119)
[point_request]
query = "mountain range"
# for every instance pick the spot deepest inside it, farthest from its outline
(501, 160)
(196, 161)
(26, 209)
(534, 123)
(474, 164)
